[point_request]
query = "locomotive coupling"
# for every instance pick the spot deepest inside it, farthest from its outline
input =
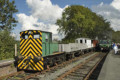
(36, 59)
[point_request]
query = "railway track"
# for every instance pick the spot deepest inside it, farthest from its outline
(21, 75)
(84, 70)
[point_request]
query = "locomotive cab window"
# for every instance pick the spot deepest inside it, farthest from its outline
(46, 38)
(36, 36)
(25, 36)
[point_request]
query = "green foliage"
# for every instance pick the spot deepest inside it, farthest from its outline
(7, 23)
(7, 9)
(78, 21)
(116, 37)
(102, 29)
(6, 45)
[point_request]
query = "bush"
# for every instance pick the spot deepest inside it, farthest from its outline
(6, 45)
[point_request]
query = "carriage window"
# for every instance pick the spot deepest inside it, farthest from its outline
(80, 41)
(85, 41)
(36, 36)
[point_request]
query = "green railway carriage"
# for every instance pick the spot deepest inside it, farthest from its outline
(34, 46)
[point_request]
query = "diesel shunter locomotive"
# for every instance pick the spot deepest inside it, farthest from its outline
(37, 50)
(105, 45)
(34, 45)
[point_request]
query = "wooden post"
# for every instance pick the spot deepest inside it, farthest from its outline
(15, 49)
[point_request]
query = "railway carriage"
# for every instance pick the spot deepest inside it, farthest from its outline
(38, 51)
(81, 46)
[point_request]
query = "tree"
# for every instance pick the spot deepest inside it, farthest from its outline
(102, 28)
(6, 45)
(7, 9)
(116, 36)
(78, 21)
(7, 23)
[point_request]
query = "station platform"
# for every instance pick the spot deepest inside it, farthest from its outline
(111, 67)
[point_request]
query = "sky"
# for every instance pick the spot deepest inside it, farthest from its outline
(42, 14)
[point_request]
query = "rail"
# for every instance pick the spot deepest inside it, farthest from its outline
(87, 73)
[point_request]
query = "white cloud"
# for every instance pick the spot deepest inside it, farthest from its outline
(27, 22)
(30, 22)
(45, 10)
(101, 3)
(43, 16)
(110, 12)
(116, 4)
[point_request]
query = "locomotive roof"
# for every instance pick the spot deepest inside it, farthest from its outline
(37, 30)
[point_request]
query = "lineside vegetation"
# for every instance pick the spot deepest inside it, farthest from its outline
(7, 24)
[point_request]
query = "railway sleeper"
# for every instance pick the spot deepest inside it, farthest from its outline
(73, 78)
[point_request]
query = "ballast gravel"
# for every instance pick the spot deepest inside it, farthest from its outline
(55, 74)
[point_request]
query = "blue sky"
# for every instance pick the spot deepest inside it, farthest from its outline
(26, 9)
(23, 7)
(87, 3)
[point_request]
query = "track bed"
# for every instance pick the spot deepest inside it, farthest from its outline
(83, 70)
(58, 72)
